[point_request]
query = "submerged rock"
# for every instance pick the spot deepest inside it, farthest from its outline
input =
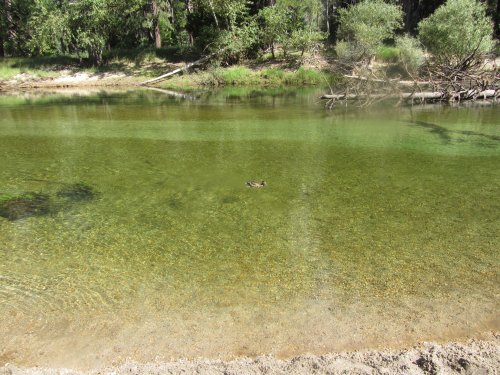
(77, 192)
(15, 207)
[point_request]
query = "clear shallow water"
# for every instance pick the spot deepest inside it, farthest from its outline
(377, 228)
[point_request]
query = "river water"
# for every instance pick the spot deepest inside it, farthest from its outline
(377, 228)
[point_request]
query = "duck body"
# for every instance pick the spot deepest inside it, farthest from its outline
(255, 184)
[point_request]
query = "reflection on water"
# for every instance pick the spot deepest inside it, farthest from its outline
(374, 229)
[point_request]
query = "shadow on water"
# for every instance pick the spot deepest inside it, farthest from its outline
(444, 133)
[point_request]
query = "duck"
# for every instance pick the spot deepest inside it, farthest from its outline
(255, 184)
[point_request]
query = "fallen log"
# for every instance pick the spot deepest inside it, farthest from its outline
(179, 70)
(410, 95)
(431, 95)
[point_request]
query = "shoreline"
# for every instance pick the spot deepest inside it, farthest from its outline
(471, 357)
(237, 76)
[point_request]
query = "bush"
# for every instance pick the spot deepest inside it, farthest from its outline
(364, 26)
(458, 33)
(411, 53)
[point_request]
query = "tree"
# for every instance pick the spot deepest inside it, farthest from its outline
(291, 24)
(274, 27)
(364, 26)
(9, 23)
(50, 32)
(458, 34)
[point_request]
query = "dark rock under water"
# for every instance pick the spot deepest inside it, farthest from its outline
(77, 192)
(25, 205)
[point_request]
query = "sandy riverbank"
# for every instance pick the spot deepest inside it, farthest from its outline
(65, 79)
(472, 357)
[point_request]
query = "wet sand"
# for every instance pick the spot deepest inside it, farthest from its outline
(471, 357)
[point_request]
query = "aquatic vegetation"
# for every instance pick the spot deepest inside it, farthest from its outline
(20, 206)
(79, 191)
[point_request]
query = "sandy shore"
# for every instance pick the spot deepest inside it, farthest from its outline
(23, 82)
(472, 357)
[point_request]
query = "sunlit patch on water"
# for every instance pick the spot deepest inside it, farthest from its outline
(374, 228)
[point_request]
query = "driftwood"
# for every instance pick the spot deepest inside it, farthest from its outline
(395, 80)
(424, 96)
(179, 70)
(365, 85)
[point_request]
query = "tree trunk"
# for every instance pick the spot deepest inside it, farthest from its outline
(2, 52)
(409, 8)
(95, 56)
(156, 24)
(11, 31)
(171, 11)
(327, 17)
(213, 13)
(189, 10)
(496, 20)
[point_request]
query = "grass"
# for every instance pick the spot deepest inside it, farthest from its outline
(39, 67)
(387, 54)
(243, 76)
(303, 76)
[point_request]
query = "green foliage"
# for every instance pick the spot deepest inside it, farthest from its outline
(275, 23)
(290, 24)
(457, 33)
(387, 53)
(237, 43)
(89, 20)
(365, 25)
(306, 40)
(50, 29)
(411, 54)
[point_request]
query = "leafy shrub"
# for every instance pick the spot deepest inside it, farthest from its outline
(411, 53)
(458, 33)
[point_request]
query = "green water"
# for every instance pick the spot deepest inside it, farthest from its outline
(377, 227)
